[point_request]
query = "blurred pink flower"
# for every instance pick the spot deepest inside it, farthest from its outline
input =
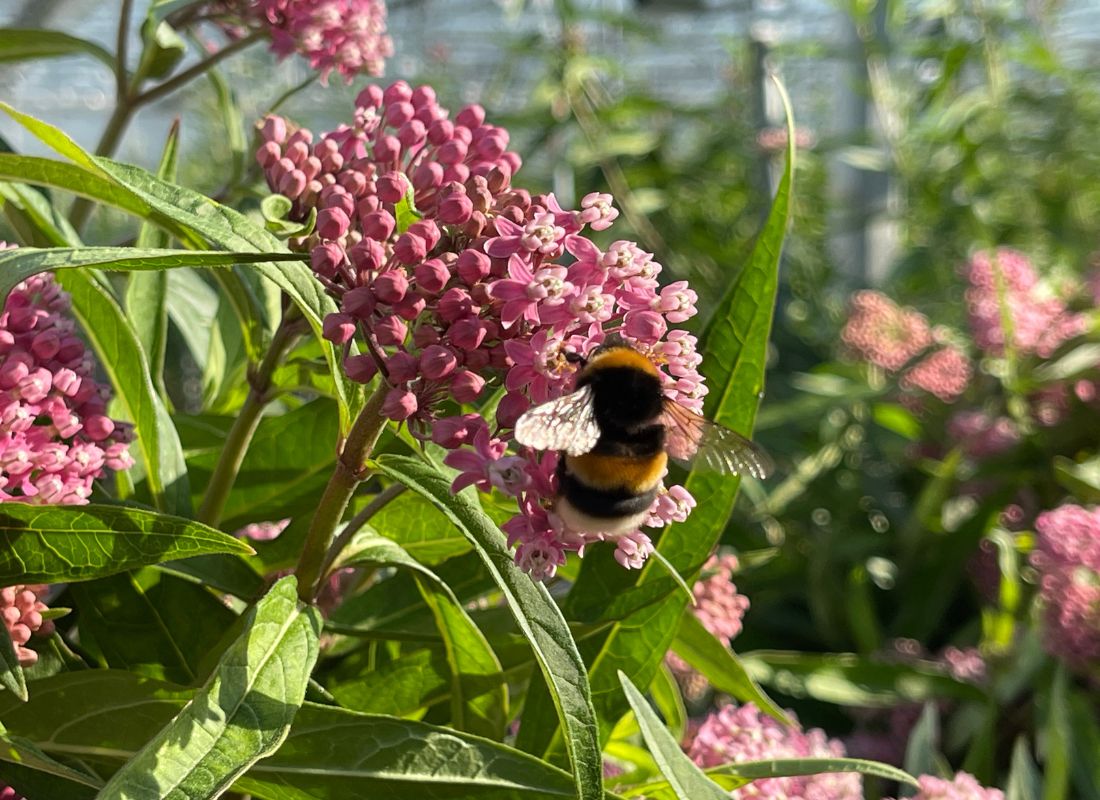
(263, 531)
(1017, 301)
(944, 374)
(1067, 557)
(22, 613)
(982, 435)
(882, 333)
(962, 787)
(8, 793)
(744, 733)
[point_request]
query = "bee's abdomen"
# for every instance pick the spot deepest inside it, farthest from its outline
(606, 503)
(633, 474)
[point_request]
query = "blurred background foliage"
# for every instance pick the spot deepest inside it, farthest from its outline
(929, 131)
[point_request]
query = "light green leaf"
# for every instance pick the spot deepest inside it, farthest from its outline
(17, 750)
(121, 357)
(35, 219)
(1024, 781)
(406, 212)
(1056, 744)
(536, 614)
(922, 751)
(669, 701)
(163, 49)
(687, 780)
(56, 544)
(24, 44)
(243, 714)
(719, 665)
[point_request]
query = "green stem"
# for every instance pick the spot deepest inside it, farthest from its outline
(356, 523)
(248, 419)
(122, 80)
(349, 473)
(178, 80)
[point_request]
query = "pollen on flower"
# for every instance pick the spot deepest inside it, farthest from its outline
(489, 286)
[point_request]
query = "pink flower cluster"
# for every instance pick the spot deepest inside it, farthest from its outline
(451, 277)
(721, 610)
(346, 36)
(883, 333)
(744, 733)
(1067, 557)
(55, 435)
(963, 786)
(1005, 292)
(981, 435)
(22, 613)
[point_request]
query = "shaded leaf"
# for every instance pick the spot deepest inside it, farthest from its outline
(24, 44)
(11, 673)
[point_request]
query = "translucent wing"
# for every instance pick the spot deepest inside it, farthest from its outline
(568, 424)
(690, 437)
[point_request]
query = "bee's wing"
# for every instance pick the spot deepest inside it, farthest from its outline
(568, 423)
(690, 437)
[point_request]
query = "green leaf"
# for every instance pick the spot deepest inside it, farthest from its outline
(1085, 738)
(11, 673)
(271, 485)
(35, 218)
(536, 614)
(1024, 781)
(405, 211)
(232, 123)
(17, 750)
(24, 44)
(852, 680)
(147, 292)
(735, 350)
(276, 210)
(163, 49)
(719, 665)
(19, 264)
(333, 754)
(669, 701)
(403, 687)
(1082, 479)
(687, 780)
(151, 623)
(922, 751)
(418, 526)
(121, 357)
(240, 716)
(1056, 742)
(55, 544)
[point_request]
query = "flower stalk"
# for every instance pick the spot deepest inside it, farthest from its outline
(349, 473)
(248, 419)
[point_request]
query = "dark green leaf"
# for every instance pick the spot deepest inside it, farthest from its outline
(162, 51)
(151, 623)
(11, 673)
(240, 716)
(17, 750)
(54, 544)
(538, 617)
(687, 780)
(23, 44)
(1085, 737)
(121, 357)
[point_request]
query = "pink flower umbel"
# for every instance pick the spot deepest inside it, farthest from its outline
(55, 435)
(744, 733)
(452, 280)
(1067, 556)
(22, 613)
(345, 36)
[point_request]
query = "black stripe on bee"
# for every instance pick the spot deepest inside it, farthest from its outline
(604, 503)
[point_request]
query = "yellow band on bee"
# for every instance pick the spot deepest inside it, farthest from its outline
(634, 474)
(622, 357)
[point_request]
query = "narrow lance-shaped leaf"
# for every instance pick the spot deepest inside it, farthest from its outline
(25, 44)
(147, 292)
(57, 544)
(735, 349)
(243, 714)
(687, 780)
(479, 697)
(536, 614)
(19, 264)
(120, 354)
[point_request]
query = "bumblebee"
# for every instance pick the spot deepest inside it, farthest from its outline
(615, 433)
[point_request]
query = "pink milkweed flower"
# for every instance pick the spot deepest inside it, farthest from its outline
(524, 291)
(963, 786)
(21, 611)
(882, 333)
